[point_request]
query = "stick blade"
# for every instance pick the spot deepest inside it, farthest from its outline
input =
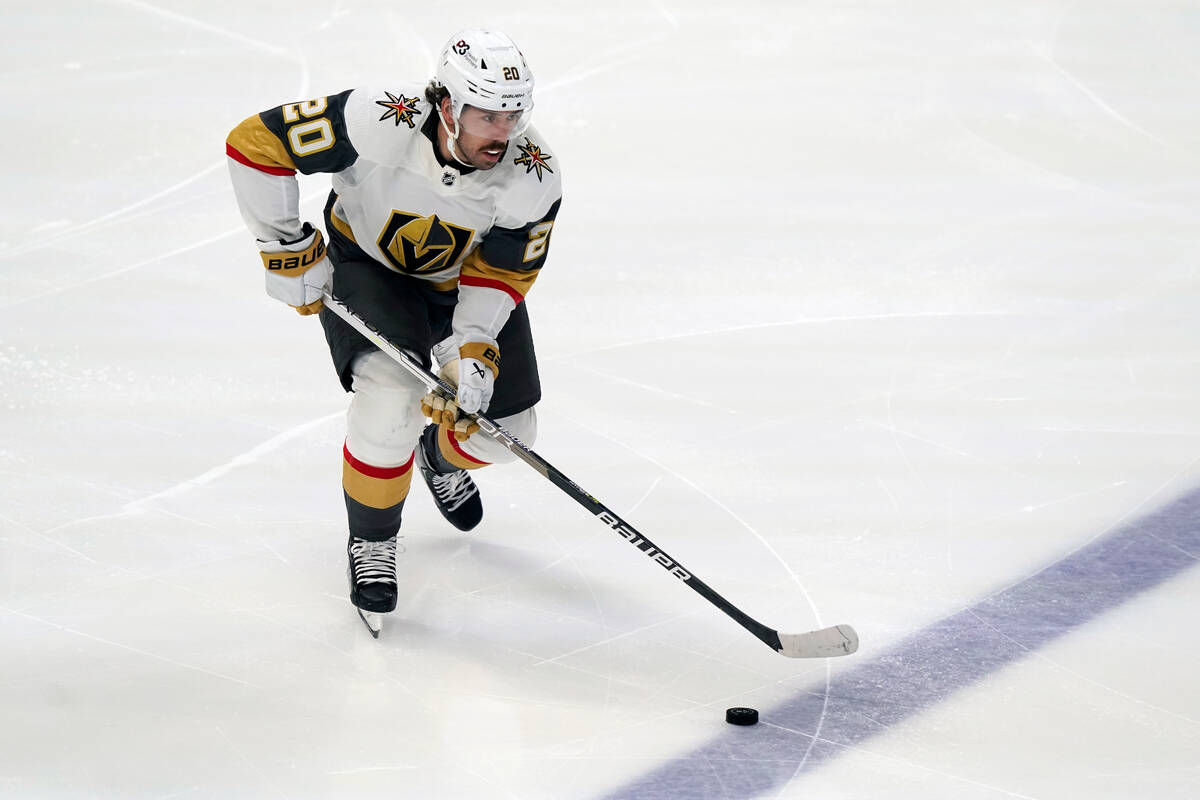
(838, 640)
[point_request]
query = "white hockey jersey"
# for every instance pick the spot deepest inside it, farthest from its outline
(484, 232)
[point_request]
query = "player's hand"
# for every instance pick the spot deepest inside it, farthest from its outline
(443, 410)
(474, 381)
(298, 272)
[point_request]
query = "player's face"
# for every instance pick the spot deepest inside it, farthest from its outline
(483, 135)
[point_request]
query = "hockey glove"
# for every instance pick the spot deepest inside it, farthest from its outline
(473, 374)
(298, 272)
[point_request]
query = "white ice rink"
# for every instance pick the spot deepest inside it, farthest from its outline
(880, 313)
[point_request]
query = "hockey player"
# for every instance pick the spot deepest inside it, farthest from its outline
(443, 202)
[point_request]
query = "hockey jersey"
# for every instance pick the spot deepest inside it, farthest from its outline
(484, 232)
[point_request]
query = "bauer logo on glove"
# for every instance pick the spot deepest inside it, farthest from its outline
(298, 271)
(298, 263)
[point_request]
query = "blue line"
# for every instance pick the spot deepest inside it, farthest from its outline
(932, 664)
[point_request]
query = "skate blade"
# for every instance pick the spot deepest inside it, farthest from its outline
(372, 620)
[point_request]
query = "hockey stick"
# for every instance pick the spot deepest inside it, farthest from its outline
(837, 640)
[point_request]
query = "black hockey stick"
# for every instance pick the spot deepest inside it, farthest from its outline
(837, 640)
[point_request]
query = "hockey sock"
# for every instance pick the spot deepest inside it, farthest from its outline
(444, 452)
(374, 496)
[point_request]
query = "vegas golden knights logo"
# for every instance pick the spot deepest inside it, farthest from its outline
(399, 108)
(418, 245)
(532, 158)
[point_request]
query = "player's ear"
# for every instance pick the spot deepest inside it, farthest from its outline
(447, 110)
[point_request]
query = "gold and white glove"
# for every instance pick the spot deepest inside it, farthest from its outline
(298, 273)
(473, 374)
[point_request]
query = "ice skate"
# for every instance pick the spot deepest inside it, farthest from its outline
(371, 571)
(455, 492)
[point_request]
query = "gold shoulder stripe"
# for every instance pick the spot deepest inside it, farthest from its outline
(261, 148)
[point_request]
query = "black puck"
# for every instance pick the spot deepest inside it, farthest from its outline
(741, 716)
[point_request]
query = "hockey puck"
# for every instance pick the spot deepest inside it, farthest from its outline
(741, 716)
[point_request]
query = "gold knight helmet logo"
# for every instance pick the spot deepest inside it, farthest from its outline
(418, 245)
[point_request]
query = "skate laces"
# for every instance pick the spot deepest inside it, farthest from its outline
(374, 562)
(454, 488)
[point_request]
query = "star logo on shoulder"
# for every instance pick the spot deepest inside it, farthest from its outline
(532, 158)
(399, 108)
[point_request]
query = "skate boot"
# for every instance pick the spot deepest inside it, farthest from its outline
(453, 491)
(372, 575)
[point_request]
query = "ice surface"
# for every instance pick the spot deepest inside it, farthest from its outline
(871, 313)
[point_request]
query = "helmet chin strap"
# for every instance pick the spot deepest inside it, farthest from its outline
(452, 137)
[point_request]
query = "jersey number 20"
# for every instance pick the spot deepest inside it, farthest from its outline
(309, 137)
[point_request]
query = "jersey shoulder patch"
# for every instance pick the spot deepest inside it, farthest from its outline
(532, 181)
(400, 109)
(383, 120)
(536, 158)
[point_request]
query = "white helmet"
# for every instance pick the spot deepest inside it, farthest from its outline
(485, 69)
